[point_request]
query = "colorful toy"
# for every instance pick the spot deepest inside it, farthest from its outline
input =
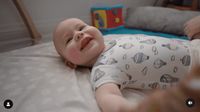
(106, 18)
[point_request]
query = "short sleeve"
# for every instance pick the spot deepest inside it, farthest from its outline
(107, 74)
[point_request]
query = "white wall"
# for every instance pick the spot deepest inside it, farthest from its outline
(46, 14)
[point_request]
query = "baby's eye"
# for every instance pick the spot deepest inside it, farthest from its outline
(82, 27)
(68, 40)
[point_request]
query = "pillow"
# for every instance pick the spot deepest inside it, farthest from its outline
(159, 19)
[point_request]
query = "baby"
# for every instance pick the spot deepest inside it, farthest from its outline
(139, 62)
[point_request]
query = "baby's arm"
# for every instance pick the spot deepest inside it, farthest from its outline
(110, 99)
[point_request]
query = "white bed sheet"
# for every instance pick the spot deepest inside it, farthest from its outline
(36, 80)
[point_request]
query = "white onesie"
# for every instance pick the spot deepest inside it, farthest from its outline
(142, 62)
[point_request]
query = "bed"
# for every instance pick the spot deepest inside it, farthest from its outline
(36, 80)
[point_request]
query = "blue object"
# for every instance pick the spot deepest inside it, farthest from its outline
(123, 30)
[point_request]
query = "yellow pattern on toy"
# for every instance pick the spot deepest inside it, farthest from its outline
(102, 15)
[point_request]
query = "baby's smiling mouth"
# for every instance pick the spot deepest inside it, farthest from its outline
(85, 42)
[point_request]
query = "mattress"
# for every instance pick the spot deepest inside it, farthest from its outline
(124, 30)
(36, 80)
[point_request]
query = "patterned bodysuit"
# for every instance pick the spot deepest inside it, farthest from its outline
(142, 62)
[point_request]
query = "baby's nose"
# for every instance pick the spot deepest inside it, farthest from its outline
(79, 35)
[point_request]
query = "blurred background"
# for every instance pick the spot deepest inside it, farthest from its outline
(47, 13)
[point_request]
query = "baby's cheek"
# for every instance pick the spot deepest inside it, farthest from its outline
(74, 55)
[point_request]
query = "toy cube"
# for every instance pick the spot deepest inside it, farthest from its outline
(106, 18)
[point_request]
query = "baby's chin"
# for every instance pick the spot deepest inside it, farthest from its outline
(90, 55)
(88, 60)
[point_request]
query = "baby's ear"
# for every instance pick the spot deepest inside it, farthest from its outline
(71, 65)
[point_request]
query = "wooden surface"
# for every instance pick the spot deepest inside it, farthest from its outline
(35, 35)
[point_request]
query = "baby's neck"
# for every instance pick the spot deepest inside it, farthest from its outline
(92, 62)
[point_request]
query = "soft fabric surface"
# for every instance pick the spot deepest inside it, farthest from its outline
(159, 19)
(36, 80)
(124, 30)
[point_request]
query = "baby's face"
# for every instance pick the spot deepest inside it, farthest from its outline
(78, 42)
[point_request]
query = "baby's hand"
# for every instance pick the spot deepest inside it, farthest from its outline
(192, 28)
